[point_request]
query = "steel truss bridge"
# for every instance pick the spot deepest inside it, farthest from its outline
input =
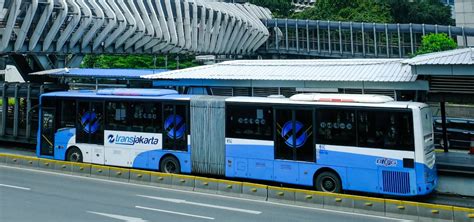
(46, 34)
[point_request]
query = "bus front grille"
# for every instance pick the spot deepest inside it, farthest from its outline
(396, 182)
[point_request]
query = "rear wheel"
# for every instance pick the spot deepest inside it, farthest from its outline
(328, 182)
(169, 164)
(74, 154)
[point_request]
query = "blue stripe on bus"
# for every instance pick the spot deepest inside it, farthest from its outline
(151, 159)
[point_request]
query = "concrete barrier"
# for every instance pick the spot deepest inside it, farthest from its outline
(3, 158)
(140, 176)
(46, 164)
(308, 197)
(462, 214)
(369, 205)
(401, 209)
(161, 179)
(281, 194)
(255, 191)
(63, 166)
(13, 160)
(338, 202)
(117, 173)
(82, 169)
(207, 185)
(230, 188)
(434, 212)
(183, 182)
(100, 171)
(32, 162)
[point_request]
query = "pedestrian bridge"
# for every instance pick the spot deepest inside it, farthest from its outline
(58, 33)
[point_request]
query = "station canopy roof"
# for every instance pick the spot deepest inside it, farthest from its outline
(347, 70)
(100, 73)
(464, 56)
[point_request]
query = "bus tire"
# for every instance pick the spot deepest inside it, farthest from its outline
(328, 181)
(169, 164)
(74, 154)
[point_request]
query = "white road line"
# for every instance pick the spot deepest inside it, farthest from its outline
(204, 194)
(174, 212)
(202, 204)
(119, 217)
(16, 187)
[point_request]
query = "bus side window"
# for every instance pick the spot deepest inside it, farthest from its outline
(146, 117)
(249, 122)
(68, 113)
(385, 129)
(117, 116)
(336, 127)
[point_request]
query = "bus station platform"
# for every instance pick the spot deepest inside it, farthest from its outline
(455, 162)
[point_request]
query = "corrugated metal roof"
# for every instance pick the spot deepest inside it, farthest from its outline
(372, 70)
(463, 56)
(100, 73)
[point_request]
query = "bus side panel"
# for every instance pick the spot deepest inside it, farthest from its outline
(63, 139)
(427, 179)
(249, 159)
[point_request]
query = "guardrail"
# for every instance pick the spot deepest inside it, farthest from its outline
(349, 203)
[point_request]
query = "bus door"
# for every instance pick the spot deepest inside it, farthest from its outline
(47, 131)
(175, 127)
(294, 143)
(90, 131)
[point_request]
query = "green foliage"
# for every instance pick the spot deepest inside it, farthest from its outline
(279, 8)
(136, 62)
(420, 11)
(11, 102)
(435, 43)
(347, 10)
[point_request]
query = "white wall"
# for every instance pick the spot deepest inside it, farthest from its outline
(464, 15)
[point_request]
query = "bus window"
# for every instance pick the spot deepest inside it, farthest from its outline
(249, 122)
(336, 127)
(175, 127)
(68, 112)
(294, 135)
(146, 117)
(117, 116)
(385, 129)
(90, 122)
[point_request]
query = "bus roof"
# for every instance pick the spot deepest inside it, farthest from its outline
(141, 94)
(393, 104)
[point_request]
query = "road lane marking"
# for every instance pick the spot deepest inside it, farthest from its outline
(119, 217)
(204, 194)
(16, 187)
(201, 204)
(174, 212)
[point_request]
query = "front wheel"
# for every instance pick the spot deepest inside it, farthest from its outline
(328, 182)
(170, 164)
(74, 154)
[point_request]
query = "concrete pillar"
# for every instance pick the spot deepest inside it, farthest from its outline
(464, 15)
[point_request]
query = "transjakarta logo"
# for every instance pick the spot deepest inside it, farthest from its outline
(132, 140)
(386, 162)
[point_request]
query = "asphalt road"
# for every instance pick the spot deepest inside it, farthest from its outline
(33, 195)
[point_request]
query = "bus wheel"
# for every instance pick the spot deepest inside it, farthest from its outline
(328, 182)
(169, 164)
(74, 154)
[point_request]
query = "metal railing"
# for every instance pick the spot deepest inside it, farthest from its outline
(352, 39)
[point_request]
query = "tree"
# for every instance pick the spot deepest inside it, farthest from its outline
(279, 8)
(347, 10)
(137, 61)
(420, 12)
(436, 43)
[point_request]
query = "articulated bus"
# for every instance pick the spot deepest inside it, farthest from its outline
(332, 142)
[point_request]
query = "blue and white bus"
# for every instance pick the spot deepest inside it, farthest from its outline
(332, 142)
